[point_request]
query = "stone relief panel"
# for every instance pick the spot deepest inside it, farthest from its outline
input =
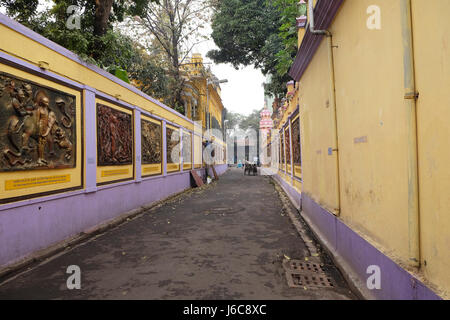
(282, 148)
(37, 126)
(187, 148)
(296, 153)
(114, 137)
(151, 142)
(173, 147)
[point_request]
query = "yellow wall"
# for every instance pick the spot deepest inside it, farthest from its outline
(373, 184)
(370, 107)
(68, 178)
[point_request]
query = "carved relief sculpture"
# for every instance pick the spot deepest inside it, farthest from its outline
(37, 126)
(114, 137)
(296, 142)
(187, 148)
(173, 147)
(282, 149)
(151, 142)
(287, 146)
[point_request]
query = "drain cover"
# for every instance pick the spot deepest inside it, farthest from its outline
(296, 280)
(302, 266)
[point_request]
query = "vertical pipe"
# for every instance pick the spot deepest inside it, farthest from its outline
(164, 145)
(334, 129)
(334, 148)
(411, 127)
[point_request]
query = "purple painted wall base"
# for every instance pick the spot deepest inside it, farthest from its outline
(354, 254)
(28, 228)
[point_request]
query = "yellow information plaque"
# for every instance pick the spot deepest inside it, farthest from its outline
(114, 172)
(298, 171)
(173, 167)
(35, 182)
(152, 169)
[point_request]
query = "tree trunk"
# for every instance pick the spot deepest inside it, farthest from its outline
(102, 12)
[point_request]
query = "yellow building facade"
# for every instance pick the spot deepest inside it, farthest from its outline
(202, 94)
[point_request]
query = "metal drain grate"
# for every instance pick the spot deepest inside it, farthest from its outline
(302, 266)
(296, 280)
(306, 274)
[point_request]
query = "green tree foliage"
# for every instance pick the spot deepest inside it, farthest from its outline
(176, 27)
(258, 32)
(20, 10)
(241, 30)
(288, 11)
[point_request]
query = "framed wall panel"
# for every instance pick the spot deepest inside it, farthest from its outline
(187, 150)
(287, 146)
(198, 152)
(151, 146)
(115, 142)
(40, 136)
(296, 151)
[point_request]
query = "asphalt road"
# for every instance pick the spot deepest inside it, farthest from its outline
(224, 241)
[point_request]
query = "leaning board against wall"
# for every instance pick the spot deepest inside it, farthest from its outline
(40, 136)
(151, 146)
(114, 143)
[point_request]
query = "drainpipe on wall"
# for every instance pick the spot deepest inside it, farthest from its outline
(411, 126)
(334, 148)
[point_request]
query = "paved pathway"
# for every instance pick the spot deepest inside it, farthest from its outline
(224, 241)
